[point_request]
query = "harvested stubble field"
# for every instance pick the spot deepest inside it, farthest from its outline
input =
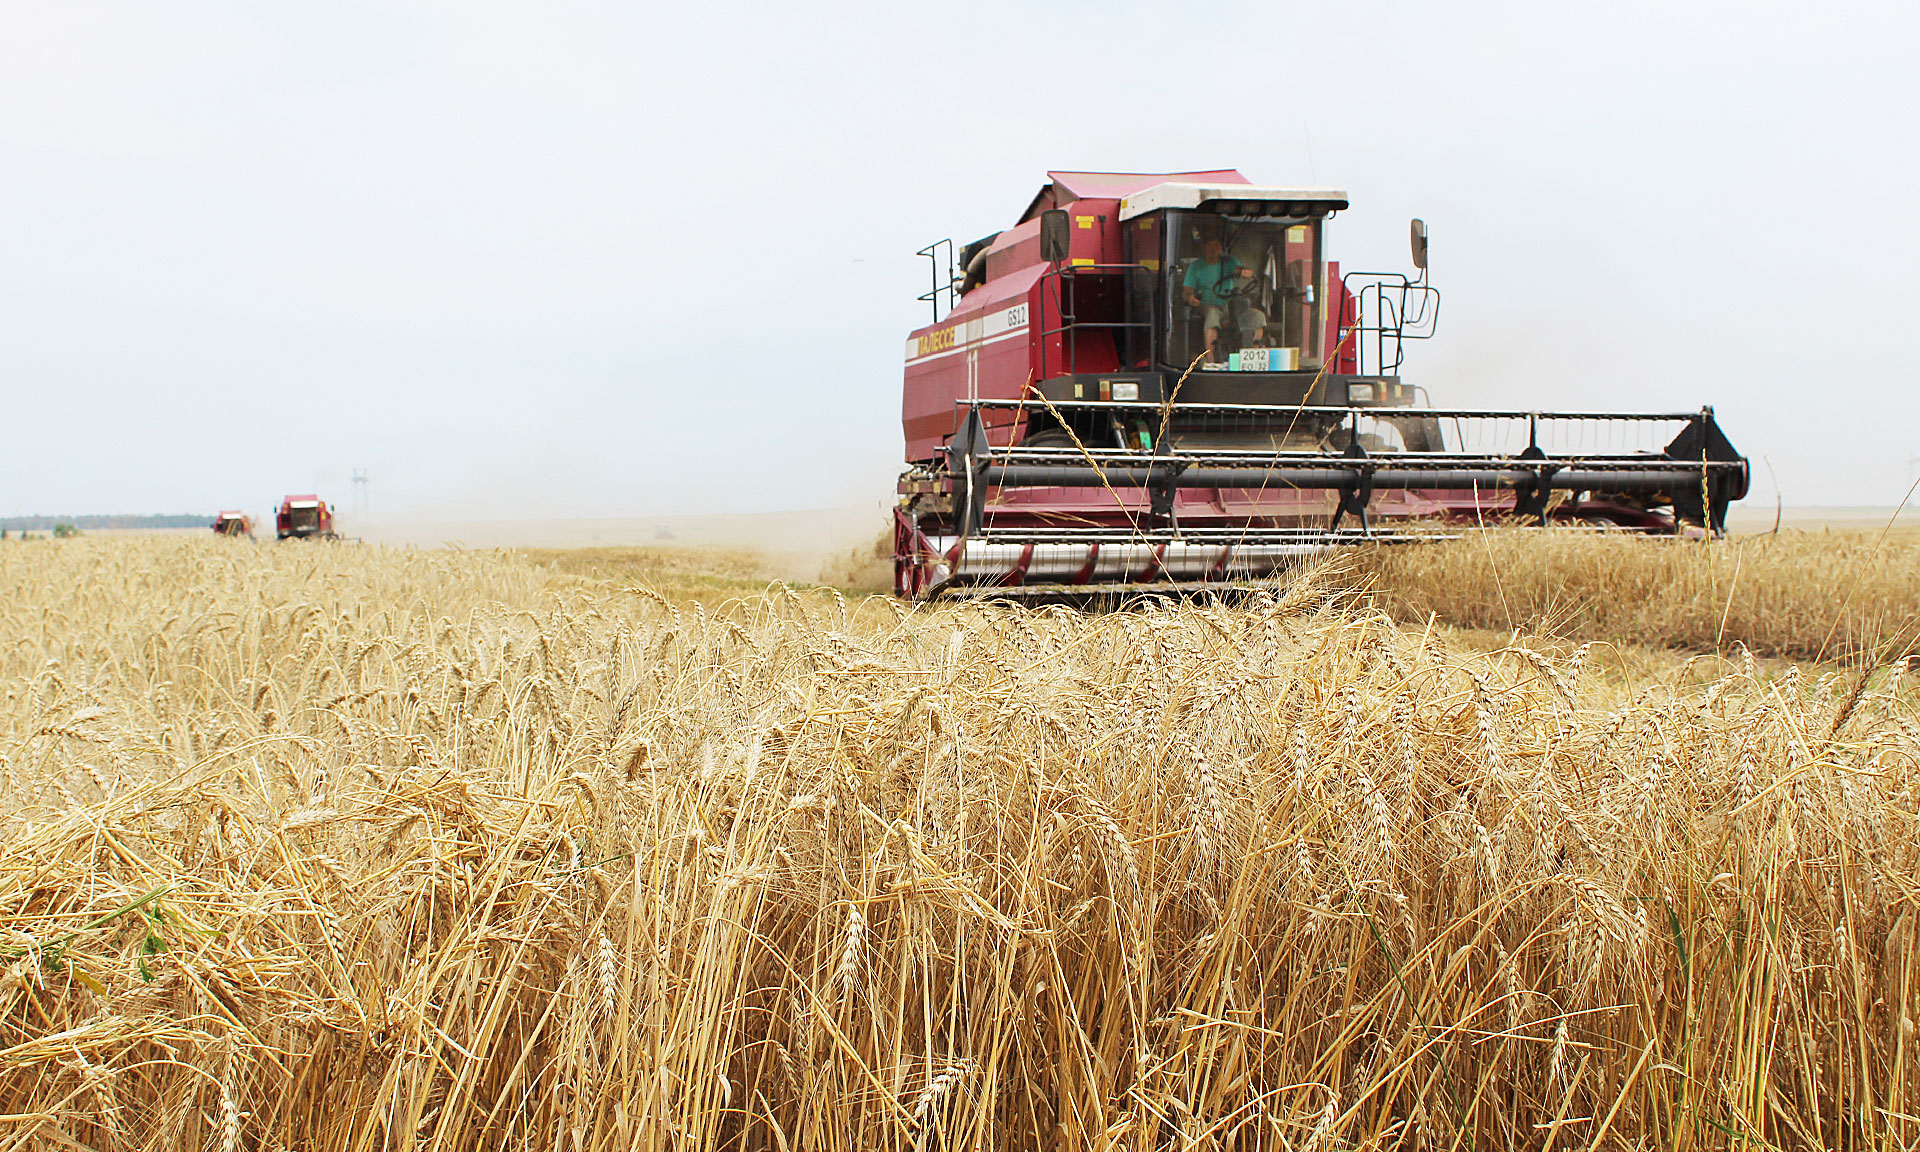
(341, 848)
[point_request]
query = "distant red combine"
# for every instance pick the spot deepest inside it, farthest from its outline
(304, 517)
(232, 523)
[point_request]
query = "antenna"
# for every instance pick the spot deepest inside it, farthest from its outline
(360, 495)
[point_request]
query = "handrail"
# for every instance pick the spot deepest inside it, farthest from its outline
(1403, 309)
(1064, 275)
(941, 290)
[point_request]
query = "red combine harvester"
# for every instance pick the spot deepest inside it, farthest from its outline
(1158, 381)
(303, 518)
(233, 524)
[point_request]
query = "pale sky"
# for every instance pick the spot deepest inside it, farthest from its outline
(578, 259)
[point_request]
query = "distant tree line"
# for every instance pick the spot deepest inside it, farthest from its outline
(90, 523)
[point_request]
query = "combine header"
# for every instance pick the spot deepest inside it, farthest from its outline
(1161, 380)
(303, 518)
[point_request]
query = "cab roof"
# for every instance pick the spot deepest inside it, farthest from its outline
(1063, 188)
(1143, 192)
(1249, 199)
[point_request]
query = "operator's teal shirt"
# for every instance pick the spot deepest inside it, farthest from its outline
(1205, 278)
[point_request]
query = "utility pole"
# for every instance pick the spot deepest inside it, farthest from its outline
(359, 496)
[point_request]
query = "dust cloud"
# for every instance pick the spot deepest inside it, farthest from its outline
(820, 546)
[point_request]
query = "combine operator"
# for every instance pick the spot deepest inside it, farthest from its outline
(1220, 286)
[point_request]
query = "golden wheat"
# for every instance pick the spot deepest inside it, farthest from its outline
(327, 848)
(1800, 595)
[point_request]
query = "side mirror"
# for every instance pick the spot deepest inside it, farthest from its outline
(1419, 233)
(1054, 235)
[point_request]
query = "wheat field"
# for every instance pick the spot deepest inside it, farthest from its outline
(324, 847)
(1800, 595)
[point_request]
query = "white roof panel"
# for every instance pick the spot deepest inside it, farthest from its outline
(1176, 195)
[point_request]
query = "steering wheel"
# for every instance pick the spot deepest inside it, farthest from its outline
(1241, 283)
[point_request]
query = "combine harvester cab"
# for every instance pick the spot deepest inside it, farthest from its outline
(304, 518)
(233, 524)
(1157, 381)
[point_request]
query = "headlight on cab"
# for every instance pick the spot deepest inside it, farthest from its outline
(1126, 390)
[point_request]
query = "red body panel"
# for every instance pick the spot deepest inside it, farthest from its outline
(981, 349)
(1345, 357)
